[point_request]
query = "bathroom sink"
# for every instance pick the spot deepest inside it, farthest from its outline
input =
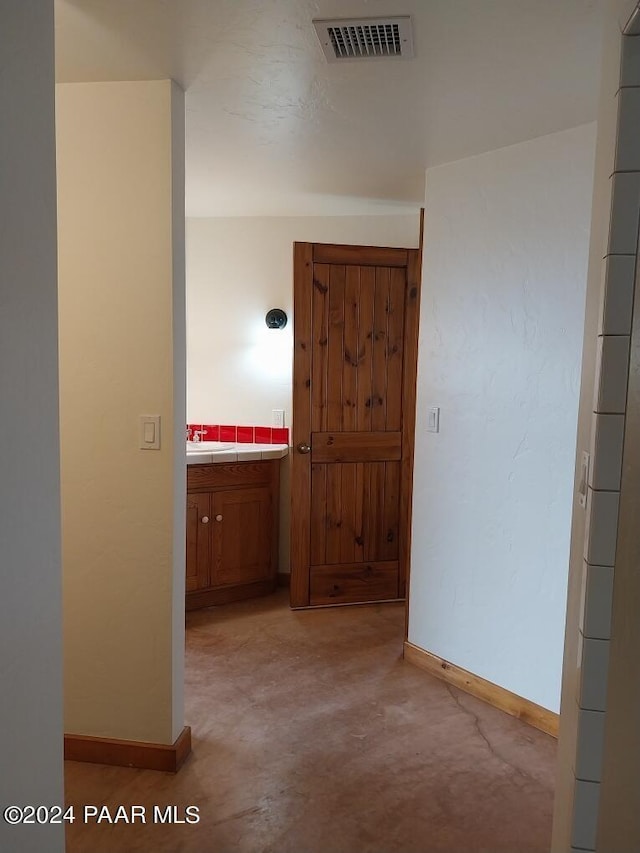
(208, 446)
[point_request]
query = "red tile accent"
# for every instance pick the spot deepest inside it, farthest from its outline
(227, 433)
(213, 432)
(280, 435)
(263, 435)
(245, 434)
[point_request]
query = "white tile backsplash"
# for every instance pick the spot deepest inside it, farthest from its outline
(625, 208)
(607, 439)
(627, 148)
(612, 368)
(251, 455)
(586, 798)
(617, 307)
(630, 75)
(602, 528)
(595, 618)
(594, 671)
(590, 745)
(271, 453)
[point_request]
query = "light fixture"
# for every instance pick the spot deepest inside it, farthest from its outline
(276, 319)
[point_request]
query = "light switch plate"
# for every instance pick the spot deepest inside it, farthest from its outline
(433, 419)
(149, 432)
(277, 418)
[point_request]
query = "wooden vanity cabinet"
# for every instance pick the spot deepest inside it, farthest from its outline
(232, 531)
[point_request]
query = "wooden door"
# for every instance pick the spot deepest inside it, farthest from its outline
(242, 538)
(355, 354)
(198, 541)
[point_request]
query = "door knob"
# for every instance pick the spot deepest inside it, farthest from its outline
(205, 519)
(304, 448)
(218, 518)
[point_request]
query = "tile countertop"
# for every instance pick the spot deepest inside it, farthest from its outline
(227, 452)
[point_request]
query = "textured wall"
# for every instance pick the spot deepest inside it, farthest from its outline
(120, 234)
(30, 599)
(505, 265)
(238, 268)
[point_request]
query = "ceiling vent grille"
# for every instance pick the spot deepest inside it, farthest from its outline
(366, 38)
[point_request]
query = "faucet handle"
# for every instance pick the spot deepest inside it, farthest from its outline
(188, 433)
(198, 433)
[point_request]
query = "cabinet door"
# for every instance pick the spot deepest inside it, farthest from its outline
(198, 541)
(242, 525)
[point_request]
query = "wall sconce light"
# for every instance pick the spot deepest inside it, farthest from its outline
(276, 319)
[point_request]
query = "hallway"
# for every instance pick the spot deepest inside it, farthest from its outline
(311, 735)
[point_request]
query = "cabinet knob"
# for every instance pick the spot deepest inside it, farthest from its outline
(304, 448)
(218, 518)
(205, 519)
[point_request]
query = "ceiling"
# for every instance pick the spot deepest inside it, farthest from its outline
(272, 129)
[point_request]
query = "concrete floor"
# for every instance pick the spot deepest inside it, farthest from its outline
(311, 735)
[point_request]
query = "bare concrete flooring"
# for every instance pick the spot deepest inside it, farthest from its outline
(311, 735)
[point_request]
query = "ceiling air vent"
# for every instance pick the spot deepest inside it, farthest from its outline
(366, 38)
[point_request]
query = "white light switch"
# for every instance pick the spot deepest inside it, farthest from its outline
(149, 432)
(277, 417)
(433, 419)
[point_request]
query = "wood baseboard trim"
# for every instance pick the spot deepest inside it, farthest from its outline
(129, 753)
(499, 697)
(283, 579)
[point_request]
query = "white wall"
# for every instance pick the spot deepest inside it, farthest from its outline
(121, 254)
(30, 597)
(238, 268)
(504, 280)
(179, 387)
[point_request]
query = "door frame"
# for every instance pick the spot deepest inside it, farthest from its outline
(304, 256)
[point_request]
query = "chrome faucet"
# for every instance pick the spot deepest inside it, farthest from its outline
(198, 433)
